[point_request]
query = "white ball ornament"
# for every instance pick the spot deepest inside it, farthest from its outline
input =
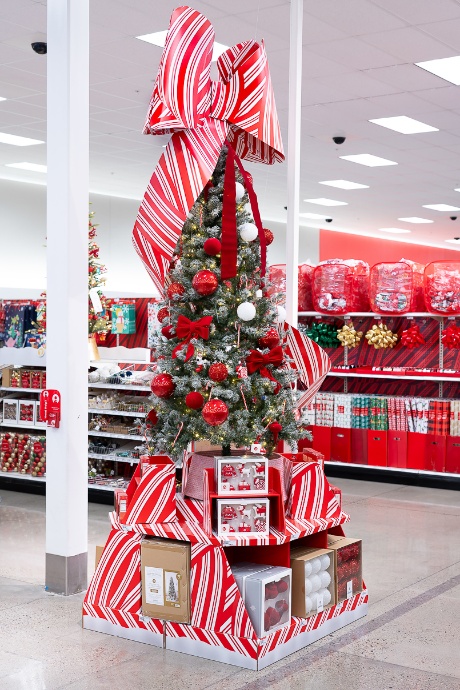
(325, 579)
(248, 232)
(308, 604)
(281, 314)
(240, 191)
(325, 593)
(308, 568)
(325, 561)
(314, 600)
(308, 586)
(315, 582)
(315, 566)
(246, 311)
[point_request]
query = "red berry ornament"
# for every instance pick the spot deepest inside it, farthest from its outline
(212, 246)
(269, 236)
(152, 417)
(205, 282)
(215, 412)
(218, 372)
(162, 386)
(175, 289)
(270, 339)
(194, 400)
(163, 313)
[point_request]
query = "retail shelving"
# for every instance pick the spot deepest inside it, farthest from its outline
(97, 410)
(108, 434)
(119, 386)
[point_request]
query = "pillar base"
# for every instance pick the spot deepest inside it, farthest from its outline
(66, 574)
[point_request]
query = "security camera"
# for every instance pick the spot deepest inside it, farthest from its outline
(328, 220)
(453, 217)
(40, 47)
(456, 239)
(338, 140)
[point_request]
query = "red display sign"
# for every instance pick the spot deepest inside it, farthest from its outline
(50, 407)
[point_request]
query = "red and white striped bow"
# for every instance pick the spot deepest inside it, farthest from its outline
(200, 115)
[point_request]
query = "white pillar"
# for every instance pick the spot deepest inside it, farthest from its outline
(67, 293)
(294, 143)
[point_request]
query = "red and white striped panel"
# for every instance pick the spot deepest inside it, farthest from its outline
(126, 620)
(155, 497)
(116, 584)
(295, 529)
(189, 509)
(310, 360)
(244, 646)
(310, 495)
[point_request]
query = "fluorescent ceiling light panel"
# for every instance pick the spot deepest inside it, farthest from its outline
(442, 207)
(14, 140)
(414, 219)
(2, 99)
(345, 184)
(326, 202)
(395, 231)
(368, 159)
(313, 216)
(34, 167)
(446, 68)
(404, 125)
(159, 37)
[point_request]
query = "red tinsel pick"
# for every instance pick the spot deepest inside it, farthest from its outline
(451, 337)
(412, 337)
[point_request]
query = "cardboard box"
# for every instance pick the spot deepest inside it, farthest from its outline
(340, 444)
(10, 412)
(348, 566)
(377, 442)
(249, 517)
(268, 599)
(6, 376)
(248, 473)
(165, 576)
(99, 550)
(313, 581)
(453, 454)
(121, 502)
(26, 412)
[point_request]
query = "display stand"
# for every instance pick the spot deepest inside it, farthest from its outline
(220, 628)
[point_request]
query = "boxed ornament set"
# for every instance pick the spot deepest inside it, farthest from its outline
(248, 474)
(243, 516)
(313, 580)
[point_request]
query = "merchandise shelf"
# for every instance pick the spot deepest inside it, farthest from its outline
(23, 426)
(387, 375)
(20, 390)
(370, 314)
(113, 458)
(119, 386)
(96, 410)
(394, 475)
(108, 434)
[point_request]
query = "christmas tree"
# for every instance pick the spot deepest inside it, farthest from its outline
(223, 373)
(98, 317)
(172, 596)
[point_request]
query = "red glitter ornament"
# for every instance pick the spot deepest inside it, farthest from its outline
(218, 372)
(215, 412)
(269, 236)
(212, 246)
(152, 417)
(163, 314)
(162, 386)
(175, 289)
(194, 400)
(270, 339)
(205, 282)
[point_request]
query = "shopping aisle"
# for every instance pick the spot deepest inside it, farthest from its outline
(411, 567)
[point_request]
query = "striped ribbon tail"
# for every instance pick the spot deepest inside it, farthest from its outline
(310, 360)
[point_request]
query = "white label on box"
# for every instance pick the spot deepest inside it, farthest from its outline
(154, 591)
(349, 589)
(123, 506)
(256, 448)
(319, 603)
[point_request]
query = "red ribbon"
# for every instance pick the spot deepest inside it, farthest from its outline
(186, 330)
(259, 362)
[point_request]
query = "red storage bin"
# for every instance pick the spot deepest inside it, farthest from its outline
(377, 442)
(416, 448)
(397, 449)
(442, 287)
(435, 453)
(332, 288)
(453, 454)
(322, 436)
(391, 288)
(359, 446)
(341, 445)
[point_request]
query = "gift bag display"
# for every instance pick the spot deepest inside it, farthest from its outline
(332, 288)
(418, 294)
(442, 287)
(277, 276)
(123, 319)
(391, 288)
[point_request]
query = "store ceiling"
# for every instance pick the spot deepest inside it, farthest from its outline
(358, 65)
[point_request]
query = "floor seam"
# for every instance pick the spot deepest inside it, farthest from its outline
(401, 666)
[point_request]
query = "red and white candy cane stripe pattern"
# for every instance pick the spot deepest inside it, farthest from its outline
(310, 495)
(310, 360)
(125, 620)
(244, 646)
(189, 509)
(154, 500)
(200, 116)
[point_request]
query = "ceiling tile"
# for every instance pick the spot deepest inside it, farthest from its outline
(356, 17)
(353, 52)
(409, 44)
(421, 11)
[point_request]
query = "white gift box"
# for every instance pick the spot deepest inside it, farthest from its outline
(243, 517)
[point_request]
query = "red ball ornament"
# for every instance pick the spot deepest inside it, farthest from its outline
(162, 386)
(270, 339)
(269, 236)
(212, 246)
(163, 313)
(175, 289)
(152, 417)
(218, 372)
(215, 412)
(194, 400)
(205, 282)
(275, 428)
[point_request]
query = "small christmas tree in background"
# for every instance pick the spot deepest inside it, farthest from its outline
(98, 321)
(172, 595)
(223, 372)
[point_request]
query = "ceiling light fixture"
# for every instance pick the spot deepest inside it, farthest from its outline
(326, 202)
(368, 159)
(414, 219)
(446, 68)
(442, 207)
(313, 216)
(404, 125)
(394, 231)
(344, 184)
(158, 38)
(34, 167)
(456, 240)
(14, 140)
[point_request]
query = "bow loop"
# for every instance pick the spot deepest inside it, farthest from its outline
(187, 329)
(256, 361)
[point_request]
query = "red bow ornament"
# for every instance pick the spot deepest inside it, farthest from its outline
(259, 362)
(412, 337)
(451, 337)
(201, 115)
(186, 330)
